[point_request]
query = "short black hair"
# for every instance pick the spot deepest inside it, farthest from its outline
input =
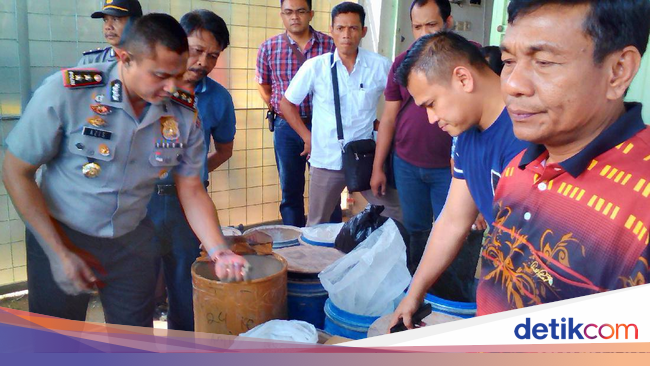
(443, 5)
(493, 56)
(141, 38)
(348, 7)
(611, 24)
(437, 55)
(307, 1)
(208, 21)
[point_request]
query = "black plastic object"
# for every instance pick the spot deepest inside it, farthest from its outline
(360, 226)
(270, 117)
(421, 313)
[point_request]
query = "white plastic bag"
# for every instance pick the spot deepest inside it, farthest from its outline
(284, 330)
(369, 278)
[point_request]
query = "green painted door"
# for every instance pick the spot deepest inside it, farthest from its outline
(499, 21)
(640, 89)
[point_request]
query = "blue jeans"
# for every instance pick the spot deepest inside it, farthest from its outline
(291, 170)
(179, 248)
(422, 194)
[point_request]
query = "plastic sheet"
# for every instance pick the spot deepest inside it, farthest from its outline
(369, 278)
(285, 330)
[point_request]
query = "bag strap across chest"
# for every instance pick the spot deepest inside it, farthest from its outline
(337, 103)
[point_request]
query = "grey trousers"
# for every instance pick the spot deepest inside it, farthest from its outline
(325, 187)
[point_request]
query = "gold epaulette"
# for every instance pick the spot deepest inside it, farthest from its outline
(79, 78)
(184, 98)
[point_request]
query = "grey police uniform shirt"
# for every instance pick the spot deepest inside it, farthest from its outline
(54, 130)
(99, 55)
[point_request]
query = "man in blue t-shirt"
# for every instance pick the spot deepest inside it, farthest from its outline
(446, 74)
(481, 154)
(207, 37)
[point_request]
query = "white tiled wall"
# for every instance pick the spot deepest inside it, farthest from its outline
(12, 240)
(245, 189)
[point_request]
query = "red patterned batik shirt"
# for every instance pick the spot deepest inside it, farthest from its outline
(571, 229)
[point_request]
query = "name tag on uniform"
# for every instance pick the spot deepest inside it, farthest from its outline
(93, 132)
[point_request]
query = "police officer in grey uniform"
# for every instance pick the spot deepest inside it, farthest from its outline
(116, 14)
(106, 135)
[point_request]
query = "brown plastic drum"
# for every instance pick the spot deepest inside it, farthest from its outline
(236, 307)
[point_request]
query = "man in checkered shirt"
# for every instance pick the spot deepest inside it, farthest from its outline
(277, 64)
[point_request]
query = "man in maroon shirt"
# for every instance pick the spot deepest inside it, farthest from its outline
(422, 151)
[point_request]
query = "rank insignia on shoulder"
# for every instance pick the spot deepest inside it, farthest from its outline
(90, 52)
(116, 91)
(184, 98)
(79, 78)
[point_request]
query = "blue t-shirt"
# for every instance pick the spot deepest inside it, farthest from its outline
(481, 156)
(217, 115)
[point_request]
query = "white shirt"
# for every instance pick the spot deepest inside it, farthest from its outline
(359, 92)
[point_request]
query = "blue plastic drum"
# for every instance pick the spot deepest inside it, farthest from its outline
(305, 294)
(456, 308)
(341, 323)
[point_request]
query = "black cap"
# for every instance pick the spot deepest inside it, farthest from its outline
(119, 8)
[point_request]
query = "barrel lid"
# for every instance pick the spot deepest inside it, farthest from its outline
(261, 266)
(309, 258)
(283, 235)
(323, 233)
(230, 231)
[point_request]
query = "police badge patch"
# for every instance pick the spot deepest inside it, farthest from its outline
(101, 109)
(169, 128)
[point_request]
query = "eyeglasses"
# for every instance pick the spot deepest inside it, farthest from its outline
(290, 12)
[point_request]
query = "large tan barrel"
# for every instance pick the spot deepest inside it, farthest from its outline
(236, 307)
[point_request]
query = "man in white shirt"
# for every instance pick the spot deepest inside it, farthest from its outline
(362, 78)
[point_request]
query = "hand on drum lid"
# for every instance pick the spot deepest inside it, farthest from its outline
(230, 267)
